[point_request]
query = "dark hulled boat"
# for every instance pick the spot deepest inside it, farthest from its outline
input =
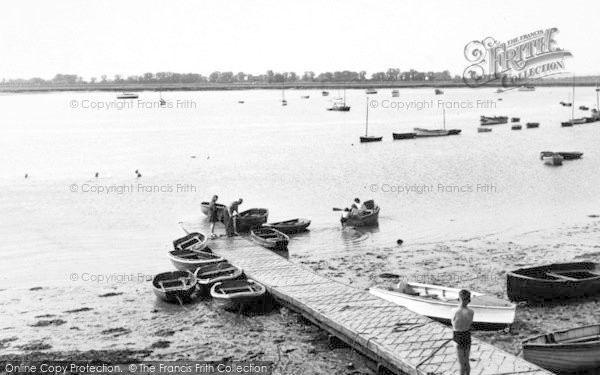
(210, 274)
(270, 238)
(175, 286)
(554, 281)
(252, 218)
(290, 226)
(404, 135)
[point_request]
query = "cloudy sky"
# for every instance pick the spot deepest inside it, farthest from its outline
(93, 37)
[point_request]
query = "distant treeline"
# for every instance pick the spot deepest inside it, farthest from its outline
(392, 74)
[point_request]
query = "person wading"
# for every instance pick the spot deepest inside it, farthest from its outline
(461, 324)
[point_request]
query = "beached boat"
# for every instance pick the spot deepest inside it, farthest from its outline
(574, 350)
(270, 238)
(437, 302)
(368, 138)
(532, 125)
(420, 132)
(364, 218)
(554, 281)
(127, 95)
(493, 120)
(252, 218)
(395, 93)
(290, 226)
(516, 127)
(188, 260)
(193, 241)
(526, 88)
(221, 208)
(210, 274)
(370, 91)
(484, 130)
(237, 294)
(438, 92)
(404, 135)
(175, 286)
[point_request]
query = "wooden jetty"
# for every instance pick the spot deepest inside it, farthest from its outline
(397, 339)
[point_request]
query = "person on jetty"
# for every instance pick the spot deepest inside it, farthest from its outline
(234, 210)
(461, 324)
(213, 215)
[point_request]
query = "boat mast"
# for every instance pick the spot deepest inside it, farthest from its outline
(573, 105)
(444, 112)
(367, 122)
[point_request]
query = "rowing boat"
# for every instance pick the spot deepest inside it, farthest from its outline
(252, 218)
(570, 155)
(221, 208)
(484, 130)
(290, 226)
(454, 131)
(554, 281)
(362, 218)
(493, 120)
(404, 135)
(573, 350)
(438, 302)
(551, 158)
(531, 125)
(270, 238)
(194, 241)
(210, 274)
(237, 294)
(189, 260)
(175, 286)
(420, 132)
(516, 127)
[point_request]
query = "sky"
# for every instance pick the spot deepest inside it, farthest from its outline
(92, 37)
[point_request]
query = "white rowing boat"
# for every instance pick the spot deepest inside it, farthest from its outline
(437, 302)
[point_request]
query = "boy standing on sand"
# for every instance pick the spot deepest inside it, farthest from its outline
(461, 324)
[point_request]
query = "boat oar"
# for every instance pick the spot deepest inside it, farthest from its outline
(182, 227)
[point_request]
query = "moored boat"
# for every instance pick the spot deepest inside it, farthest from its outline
(324, 93)
(454, 131)
(370, 91)
(421, 132)
(252, 218)
(551, 158)
(515, 119)
(493, 120)
(438, 302)
(484, 130)
(566, 124)
(584, 108)
(290, 226)
(362, 218)
(395, 93)
(210, 274)
(554, 281)
(526, 88)
(516, 127)
(127, 95)
(369, 138)
(570, 155)
(237, 294)
(175, 286)
(305, 97)
(566, 104)
(221, 208)
(270, 238)
(404, 135)
(532, 125)
(573, 350)
(438, 92)
(188, 260)
(194, 241)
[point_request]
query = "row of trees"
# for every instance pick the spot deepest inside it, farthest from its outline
(392, 74)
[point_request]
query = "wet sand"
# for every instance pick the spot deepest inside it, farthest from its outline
(125, 322)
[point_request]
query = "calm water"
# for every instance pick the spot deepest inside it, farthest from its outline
(298, 161)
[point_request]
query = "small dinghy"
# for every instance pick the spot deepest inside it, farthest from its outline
(193, 241)
(516, 127)
(421, 132)
(573, 350)
(290, 226)
(208, 275)
(404, 135)
(237, 294)
(454, 131)
(364, 218)
(437, 302)
(555, 281)
(252, 218)
(189, 260)
(175, 286)
(221, 208)
(270, 238)
(484, 130)
(551, 158)
(532, 125)
(515, 119)
(570, 155)
(493, 120)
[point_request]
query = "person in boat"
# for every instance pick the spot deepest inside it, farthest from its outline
(462, 319)
(355, 207)
(234, 210)
(213, 215)
(345, 215)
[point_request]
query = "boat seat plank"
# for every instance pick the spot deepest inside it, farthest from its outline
(562, 277)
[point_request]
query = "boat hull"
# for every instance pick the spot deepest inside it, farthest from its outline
(290, 226)
(221, 208)
(192, 260)
(237, 300)
(368, 139)
(208, 276)
(404, 135)
(184, 293)
(192, 241)
(270, 238)
(552, 282)
(371, 218)
(431, 133)
(252, 218)
(486, 317)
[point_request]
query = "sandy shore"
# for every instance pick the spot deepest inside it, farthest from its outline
(124, 323)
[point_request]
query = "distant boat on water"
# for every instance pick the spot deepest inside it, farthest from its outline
(527, 88)
(324, 93)
(339, 104)
(493, 120)
(368, 138)
(127, 95)
(283, 101)
(370, 91)
(395, 93)
(305, 97)
(421, 132)
(574, 121)
(438, 92)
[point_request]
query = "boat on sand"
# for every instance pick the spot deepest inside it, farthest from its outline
(188, 260)
(270, 238)
(438, 302)
(572, 350)
(193, 241)
(237, 294)
(554, 282)
(175, 286)
(210, 274)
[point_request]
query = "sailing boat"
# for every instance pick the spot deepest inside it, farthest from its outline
(421, 132)
(340, 105)
(367, 137)
(574, 121)
(283, 101)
